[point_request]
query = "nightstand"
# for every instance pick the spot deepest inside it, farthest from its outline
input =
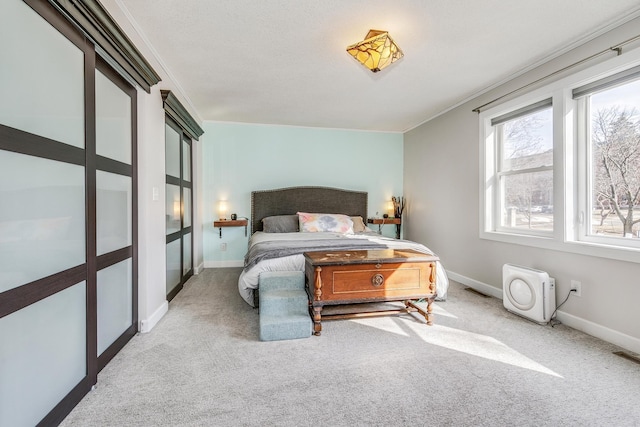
(384, 221)
(231, 223)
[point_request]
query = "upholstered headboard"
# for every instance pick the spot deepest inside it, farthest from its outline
(286, 201)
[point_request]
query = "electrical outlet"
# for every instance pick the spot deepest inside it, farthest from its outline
(223, 247)
(577, 285)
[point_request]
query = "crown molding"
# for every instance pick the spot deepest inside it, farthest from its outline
(180, 115)
(91, 17)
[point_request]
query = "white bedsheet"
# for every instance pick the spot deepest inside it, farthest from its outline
(249, 279)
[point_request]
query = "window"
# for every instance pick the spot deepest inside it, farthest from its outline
(561, 164)
(609, 142)
(524, 169)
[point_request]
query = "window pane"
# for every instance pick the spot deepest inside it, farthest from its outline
(173, 208)
(115, 312)
(42, 76)
(172, 151)
(113, 205)
(186, 243)
(186, 161)
(527, 142)
(615, 162)
(173, 265)
(113, 120)
(527, 201)
(42, 220)
(43, 355)
(187, 207)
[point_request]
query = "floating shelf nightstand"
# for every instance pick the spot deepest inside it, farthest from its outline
(384, 221)
(231, 223)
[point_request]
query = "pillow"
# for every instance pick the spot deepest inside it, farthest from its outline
(314, 222)
(358, 224)
(280, 224)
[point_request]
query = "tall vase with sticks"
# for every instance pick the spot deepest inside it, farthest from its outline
(398, 208)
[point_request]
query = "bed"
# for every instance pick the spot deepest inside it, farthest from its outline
(277, 243)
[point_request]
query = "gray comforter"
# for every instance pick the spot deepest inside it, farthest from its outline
(280, 248)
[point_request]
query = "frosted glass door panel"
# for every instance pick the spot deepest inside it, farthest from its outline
(187, 207)
(113, 120)
(42, 355)
(186, 243)
(173, 208)
(173, 265)
(42, 219)
(41, 77)
(172, 151)
(186, 161)
(113, 205)
(115, 312)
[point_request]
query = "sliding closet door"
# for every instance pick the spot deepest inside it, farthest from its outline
(43, 226)
(179, 207)
(66, 296)
(116, 198)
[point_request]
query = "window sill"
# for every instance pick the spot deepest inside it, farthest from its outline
(577, 247)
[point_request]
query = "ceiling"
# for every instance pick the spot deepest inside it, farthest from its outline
(283, 62)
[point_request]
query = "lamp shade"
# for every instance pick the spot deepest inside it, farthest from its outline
(376, 51)
(222, 209)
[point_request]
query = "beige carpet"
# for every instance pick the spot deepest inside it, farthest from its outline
(479, 365)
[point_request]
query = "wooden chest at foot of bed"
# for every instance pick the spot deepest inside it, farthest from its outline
(365, 276)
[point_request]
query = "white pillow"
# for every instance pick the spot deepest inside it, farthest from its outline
(358, 224)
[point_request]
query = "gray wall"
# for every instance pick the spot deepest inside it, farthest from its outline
(441, 184)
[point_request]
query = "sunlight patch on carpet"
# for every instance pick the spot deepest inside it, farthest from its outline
(477, 345)
(390, 324)
(386, 324)
(437, 310)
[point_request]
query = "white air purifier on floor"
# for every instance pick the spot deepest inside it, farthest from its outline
(528, 293)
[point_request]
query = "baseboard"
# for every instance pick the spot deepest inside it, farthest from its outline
(478, 286)
(198, 269)
(614, 337)
(148, 324)
(588, 327)
(222, 264)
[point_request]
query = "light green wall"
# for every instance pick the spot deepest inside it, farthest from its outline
(238, 159)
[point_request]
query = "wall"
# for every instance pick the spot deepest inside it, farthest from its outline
(198, 208)
(152, 296)
(441, 180)
(240, 158)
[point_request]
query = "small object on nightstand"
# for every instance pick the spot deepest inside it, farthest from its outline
(231, 223)
(383, 221)
(234, 217)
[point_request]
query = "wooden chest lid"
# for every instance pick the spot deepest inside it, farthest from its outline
(380, 256)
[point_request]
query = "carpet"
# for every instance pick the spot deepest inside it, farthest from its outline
(478, 365)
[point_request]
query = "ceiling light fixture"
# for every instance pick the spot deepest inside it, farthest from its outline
(376, 51)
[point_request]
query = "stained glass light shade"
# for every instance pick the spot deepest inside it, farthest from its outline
(376, 51)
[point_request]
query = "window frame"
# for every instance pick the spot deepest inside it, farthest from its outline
(568, 170)
(585, 180)
(498, 141)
